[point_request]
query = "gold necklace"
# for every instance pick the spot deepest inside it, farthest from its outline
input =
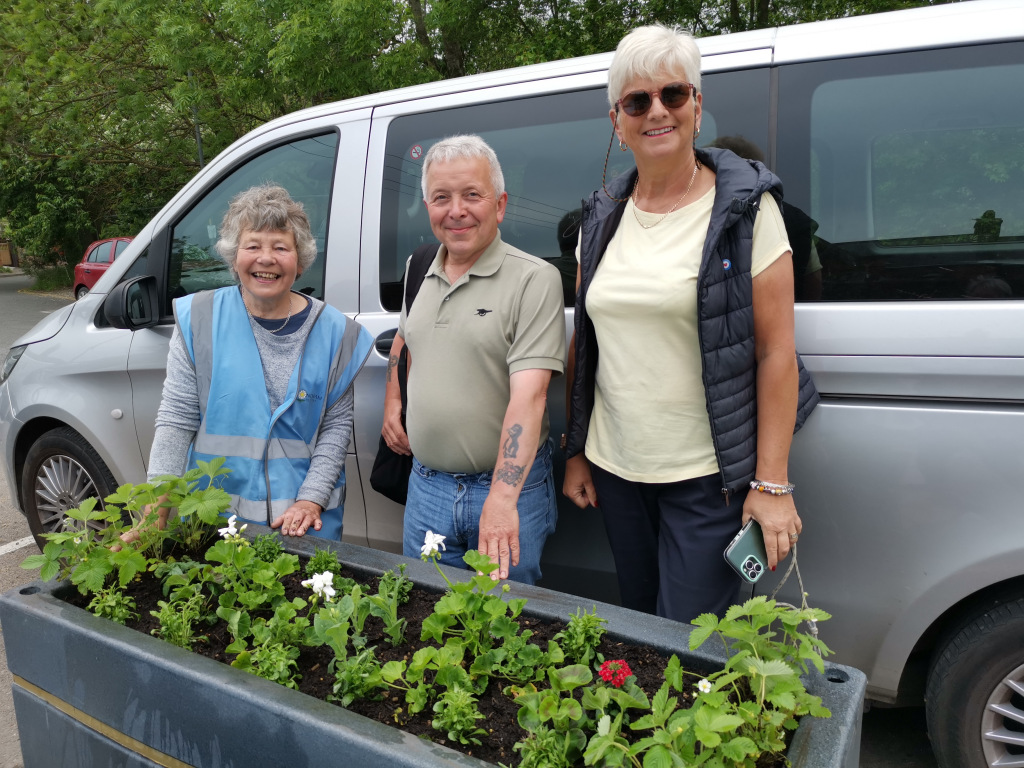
(693, 176)
(276, 330)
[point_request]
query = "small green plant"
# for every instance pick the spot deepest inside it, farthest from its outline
(357, 677)
(457, 716)
(268, 547)
(322, 560)
(582, 635)
(112, 603)
(179, 617)
(277, 644)
(392, 591)
(81, 551)
(468, 611)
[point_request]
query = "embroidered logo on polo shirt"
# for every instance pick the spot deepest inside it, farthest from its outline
(483, 312)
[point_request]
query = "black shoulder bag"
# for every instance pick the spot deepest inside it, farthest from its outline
(390, 473)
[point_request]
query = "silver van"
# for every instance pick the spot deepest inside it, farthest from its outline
(900, 141)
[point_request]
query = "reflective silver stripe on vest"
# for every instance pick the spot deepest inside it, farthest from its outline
(201, 324)
(251, 447)
(343, 356)
(256, 511)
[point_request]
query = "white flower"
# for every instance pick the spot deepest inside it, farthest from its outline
(230, 531)
(430, 544)
(322, 584)
(704, 686)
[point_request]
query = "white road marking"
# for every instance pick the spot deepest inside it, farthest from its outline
(16, 545)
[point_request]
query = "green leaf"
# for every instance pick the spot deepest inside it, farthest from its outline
(706, 625)
(434, 627)
(658, 757)
(392, 671)
(737, 749)
(570, 677)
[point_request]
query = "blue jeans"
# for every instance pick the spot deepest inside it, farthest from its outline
(450, 504)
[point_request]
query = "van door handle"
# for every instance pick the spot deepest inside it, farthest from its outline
(383, 342)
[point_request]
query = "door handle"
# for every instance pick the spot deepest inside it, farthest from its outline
(383, 342)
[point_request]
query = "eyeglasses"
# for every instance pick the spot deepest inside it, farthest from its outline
(673, 96)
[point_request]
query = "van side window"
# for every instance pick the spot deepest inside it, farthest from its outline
(552, 151)
(304, 167)
(910, 170)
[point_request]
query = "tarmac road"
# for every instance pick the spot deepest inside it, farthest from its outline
(893, 738)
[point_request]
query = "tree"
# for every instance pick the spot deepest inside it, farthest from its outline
(101, 100)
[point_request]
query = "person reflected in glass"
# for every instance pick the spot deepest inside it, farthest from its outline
(686, 387)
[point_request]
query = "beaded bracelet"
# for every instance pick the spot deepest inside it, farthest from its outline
(775, 489)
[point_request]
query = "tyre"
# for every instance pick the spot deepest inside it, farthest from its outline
(61, 471)
(975, 693)
(81, 291)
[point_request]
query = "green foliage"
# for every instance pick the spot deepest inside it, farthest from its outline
(322, 560)
(81, 551)
(100, 102)
(457, 716)
(357, 676)
(179, 617)
(392, 591)
(268, 547)
(582, 635)
(112, 603)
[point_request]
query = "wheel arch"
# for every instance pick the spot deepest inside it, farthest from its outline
(37, 427)
(948, 623)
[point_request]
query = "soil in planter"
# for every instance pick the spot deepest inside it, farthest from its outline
(500, 712)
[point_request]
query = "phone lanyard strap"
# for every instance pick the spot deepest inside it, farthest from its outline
(811, 623)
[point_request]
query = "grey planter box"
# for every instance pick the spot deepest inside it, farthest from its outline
(88, 692)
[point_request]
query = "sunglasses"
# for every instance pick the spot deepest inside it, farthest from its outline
(673, 96)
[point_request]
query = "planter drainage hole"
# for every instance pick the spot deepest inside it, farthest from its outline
(834, 675)
(29, 591)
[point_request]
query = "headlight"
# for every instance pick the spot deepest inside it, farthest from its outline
(11, 360)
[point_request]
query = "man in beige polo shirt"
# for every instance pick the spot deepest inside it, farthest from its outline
(484, 336)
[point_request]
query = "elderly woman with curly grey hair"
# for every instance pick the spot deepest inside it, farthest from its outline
(262, 375)
(686, 387)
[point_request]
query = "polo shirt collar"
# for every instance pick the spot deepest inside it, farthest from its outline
(488, 263)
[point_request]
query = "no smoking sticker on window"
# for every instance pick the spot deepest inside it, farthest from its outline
(416, 152)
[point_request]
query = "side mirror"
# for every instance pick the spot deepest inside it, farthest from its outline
(133, 304)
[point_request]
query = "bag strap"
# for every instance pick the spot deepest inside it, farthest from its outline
(419, 263)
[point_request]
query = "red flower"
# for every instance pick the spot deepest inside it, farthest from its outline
(615, 672)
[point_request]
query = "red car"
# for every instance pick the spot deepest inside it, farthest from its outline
(98, 256)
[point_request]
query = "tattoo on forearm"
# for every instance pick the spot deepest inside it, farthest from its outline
(392, 364)
(510, 473)
(510, 448)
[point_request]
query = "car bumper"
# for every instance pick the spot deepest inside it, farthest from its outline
(10, 426)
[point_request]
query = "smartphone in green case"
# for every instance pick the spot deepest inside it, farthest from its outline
(746, 553)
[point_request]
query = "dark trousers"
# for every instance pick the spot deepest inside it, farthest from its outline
(668, 540)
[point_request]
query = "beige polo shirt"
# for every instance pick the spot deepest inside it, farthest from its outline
(465, 340)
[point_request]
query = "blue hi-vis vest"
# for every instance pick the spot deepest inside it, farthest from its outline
(267, 452)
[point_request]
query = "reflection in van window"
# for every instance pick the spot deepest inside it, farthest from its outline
(552, 151)
(304, 167)
(916, 181)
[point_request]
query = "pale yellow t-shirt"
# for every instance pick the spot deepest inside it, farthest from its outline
(650, 421)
